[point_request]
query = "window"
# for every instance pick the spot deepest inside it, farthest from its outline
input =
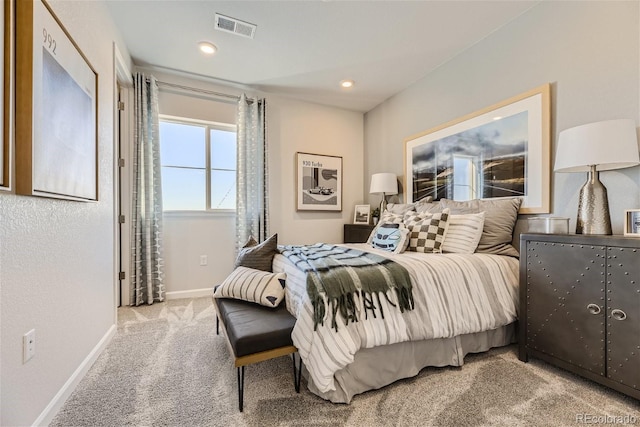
(198, 165)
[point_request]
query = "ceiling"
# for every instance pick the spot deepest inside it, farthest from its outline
(303, 49)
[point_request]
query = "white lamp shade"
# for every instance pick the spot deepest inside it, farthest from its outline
(609, 145)
(386, 183)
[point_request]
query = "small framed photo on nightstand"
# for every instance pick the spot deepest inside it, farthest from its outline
(362, 214)
(632, 222)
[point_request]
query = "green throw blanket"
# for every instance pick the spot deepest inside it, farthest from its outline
(343, 274)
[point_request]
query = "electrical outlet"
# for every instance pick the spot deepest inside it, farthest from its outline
(203, 260)
(28, 345)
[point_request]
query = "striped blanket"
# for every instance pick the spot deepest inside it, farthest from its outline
(454, 294)
(341, 279)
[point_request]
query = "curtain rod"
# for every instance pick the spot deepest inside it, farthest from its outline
(204, 91)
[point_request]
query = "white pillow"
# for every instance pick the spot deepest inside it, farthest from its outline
(386, 218)
(464, 233)
(252, 285)
(391, 237)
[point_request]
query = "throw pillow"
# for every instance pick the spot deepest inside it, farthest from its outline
(399, 208)
(430, 207)
(428, 234)
(386, 218)
(391, 218)
(391, 237)
(413, 216)
(464, 233)
(423, 203)
(402, 208)
(258, 256)
(500, 219)
(253, 285)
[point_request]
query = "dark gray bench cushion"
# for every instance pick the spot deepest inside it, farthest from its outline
(252, 328)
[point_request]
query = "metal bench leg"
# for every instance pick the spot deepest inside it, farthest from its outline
(217, 325)
(297, 372)
(240, 387)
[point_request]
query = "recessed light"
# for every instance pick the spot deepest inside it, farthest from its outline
(347, 84)
(207, 48)
(497, 118)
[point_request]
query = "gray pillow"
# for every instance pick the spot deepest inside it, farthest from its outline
(500, 219)
(402, 208)
(430, 207)
(258, 256)
(399, 208)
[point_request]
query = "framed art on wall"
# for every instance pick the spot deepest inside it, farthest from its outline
(56, 113)
(6, 94)
(318, 182)
(499, 151)
(632, 222)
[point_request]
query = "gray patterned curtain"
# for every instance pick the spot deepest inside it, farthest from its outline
(252, 203)
(147, 277)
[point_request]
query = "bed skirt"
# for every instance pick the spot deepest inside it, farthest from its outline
(367, 373)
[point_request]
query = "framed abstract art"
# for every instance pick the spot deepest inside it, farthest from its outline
(499, 151)
(56, 113)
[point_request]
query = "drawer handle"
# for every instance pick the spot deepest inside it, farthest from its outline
(618, 314)
(593, 308)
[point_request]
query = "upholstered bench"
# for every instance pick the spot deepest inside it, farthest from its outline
(256, 333)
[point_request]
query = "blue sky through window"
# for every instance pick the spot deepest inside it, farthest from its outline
(182, 145)
(223, 169)
(183, 148)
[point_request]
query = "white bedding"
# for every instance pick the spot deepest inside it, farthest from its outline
(454, 294)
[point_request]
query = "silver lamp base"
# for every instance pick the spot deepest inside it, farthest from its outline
(593, 207)
(383, 204)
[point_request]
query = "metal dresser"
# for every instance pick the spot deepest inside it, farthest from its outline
(580, 306)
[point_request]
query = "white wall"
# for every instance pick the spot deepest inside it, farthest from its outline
(589, 51)
(292, 126)
(56, 261)
(296, 126)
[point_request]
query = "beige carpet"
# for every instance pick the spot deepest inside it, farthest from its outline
(167, 367)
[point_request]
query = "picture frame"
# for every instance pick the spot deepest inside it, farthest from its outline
(56, 147)
(500, 151)
(632, 222)
(318, 182)
(6, 92)
(362, 214)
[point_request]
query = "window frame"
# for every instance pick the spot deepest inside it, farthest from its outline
(208, 125)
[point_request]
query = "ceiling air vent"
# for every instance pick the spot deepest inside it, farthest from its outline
(235, 26)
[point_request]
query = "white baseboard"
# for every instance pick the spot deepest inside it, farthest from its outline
(192, 293)
(61, 397)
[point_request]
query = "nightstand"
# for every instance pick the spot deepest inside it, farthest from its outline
(357, 233)
(580, 306)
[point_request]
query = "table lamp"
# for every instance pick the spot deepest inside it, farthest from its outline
(385, 184)
(592, 148)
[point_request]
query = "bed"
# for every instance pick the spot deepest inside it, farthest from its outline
(463, 303)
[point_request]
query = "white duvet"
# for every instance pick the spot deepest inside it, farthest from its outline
(454, 294)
